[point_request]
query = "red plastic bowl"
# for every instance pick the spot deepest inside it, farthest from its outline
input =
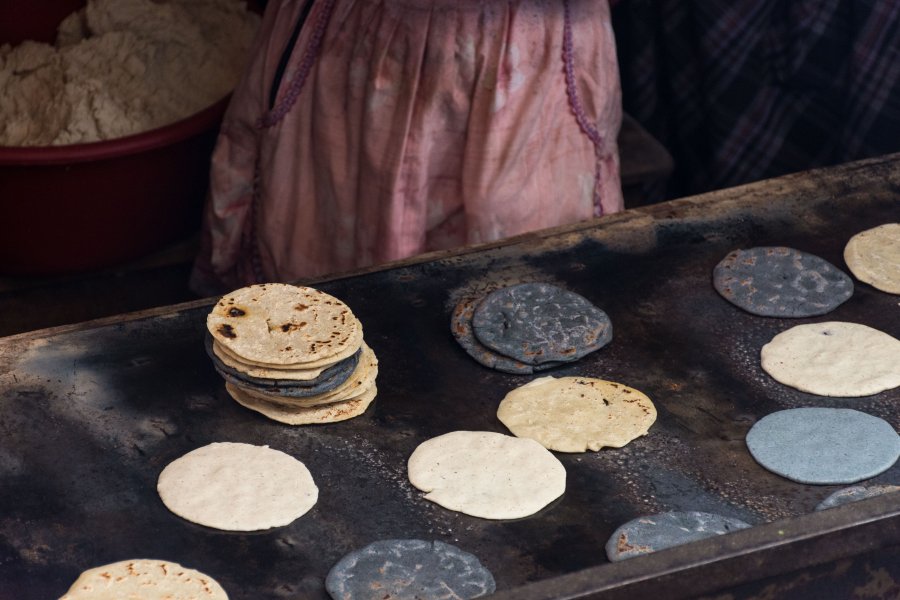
(88, 206)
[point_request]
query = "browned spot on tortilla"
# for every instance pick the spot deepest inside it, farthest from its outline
(236, 312)
(623, 546)
(300, 307)
(227, 330)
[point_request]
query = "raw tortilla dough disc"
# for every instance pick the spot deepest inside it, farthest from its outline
(486, 474)
(298, 415)
(665, 530)
(145, 579)
(537, 323)
(408, 570)
(774, 281)
(873, 256)
(854, 493)
(834, 359)
(237, 487)
(461, 327)
(275, 324)
(826, 446)
(575, 414)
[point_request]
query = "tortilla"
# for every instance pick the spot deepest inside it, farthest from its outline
(298, 415)
(232, 362)
(329, 378)
(409, 570)
(834, 359)
(873, 256)
(824, 446)
(666, 530)
(280, 324)
(774, 281)
(146, 579)
(855, 493)
(486, 474)
(537, 323)
(362, 378)
(237, 487)
(575, 414)
(461, 327)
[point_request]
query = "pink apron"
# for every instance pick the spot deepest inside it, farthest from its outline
(403, 126)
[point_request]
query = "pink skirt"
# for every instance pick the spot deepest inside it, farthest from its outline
(402, 126)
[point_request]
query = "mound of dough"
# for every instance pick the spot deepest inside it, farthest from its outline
(121, 67)
(575, 414)
(834, 359)
(486, 474)
(145, 579)
(873, 256)
(237, 487)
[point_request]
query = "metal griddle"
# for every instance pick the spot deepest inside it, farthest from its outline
(90, 414)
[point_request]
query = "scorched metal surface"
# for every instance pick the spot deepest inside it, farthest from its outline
(90, 414)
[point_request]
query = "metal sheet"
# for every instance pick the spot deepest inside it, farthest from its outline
(90, 415)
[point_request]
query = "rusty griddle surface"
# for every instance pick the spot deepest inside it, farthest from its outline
(90, 415)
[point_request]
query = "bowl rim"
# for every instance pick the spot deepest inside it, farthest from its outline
(127, 145)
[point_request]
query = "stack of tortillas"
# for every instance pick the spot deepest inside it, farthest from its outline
(293, 353)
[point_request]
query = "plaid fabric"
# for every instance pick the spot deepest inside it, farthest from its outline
(742, 90)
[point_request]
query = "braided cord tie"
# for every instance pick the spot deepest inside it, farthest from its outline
(306, 64)
(584, 123)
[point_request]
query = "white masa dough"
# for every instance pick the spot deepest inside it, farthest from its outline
(835, 358)
(121, 67)
(237, 487)
(486, 474)
(574, 414)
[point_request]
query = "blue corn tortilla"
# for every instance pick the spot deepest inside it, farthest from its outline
(855, 493)
(408, 570)
(666, 530)
(825, 446)
(775, 281)
(461, 328)
(330, 378)
(539, 323)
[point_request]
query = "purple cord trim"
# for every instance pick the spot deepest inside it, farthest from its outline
(309, 58)
(575, 103)
(249, 244)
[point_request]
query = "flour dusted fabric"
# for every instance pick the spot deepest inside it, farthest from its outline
(400, 127)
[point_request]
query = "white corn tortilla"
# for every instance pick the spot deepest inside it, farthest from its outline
(835, 358)
(298, 415)
(575, 414)
(146, 579)
(486, 474)
(237, 487)
(873, 256)
(276, 324)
